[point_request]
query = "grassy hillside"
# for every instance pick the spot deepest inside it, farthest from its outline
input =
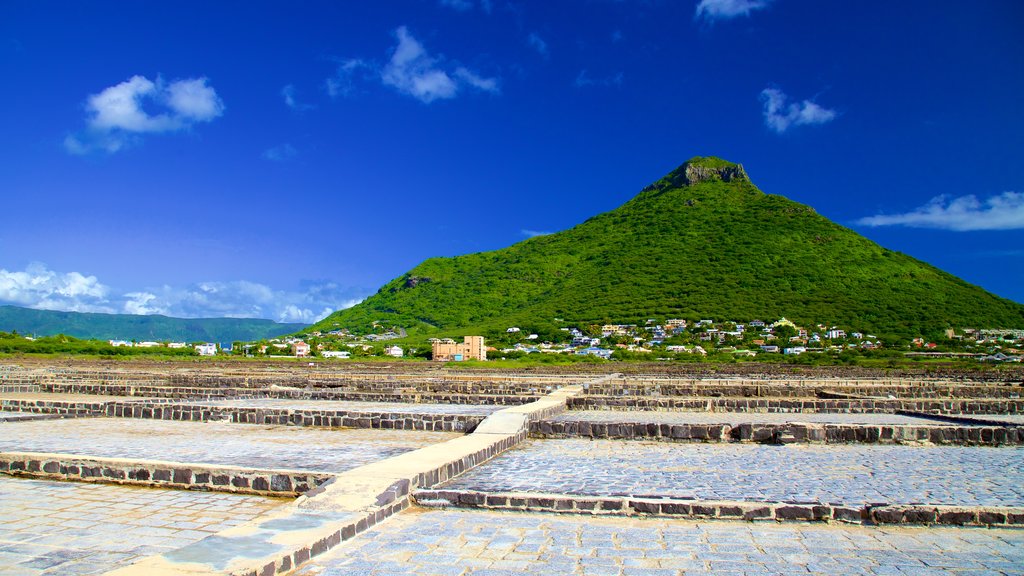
(701, 242)
(140, 328)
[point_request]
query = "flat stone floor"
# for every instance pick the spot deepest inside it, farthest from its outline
(483, 543)
(734, 418)
(836, 474)
(344, 405)
(72, 528)
(251, 445)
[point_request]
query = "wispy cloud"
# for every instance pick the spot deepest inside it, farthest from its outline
(583, 79)
(712, 10)
(963, 214)
(281, 153)
(343, 81)
(533, 233)
(412, 71)
(780, 116)
(537, 43)
(44, 289)
(117, 117)
(466, 5)
(291, 100)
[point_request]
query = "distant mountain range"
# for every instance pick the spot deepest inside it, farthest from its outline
(140, 328)
(702, 242)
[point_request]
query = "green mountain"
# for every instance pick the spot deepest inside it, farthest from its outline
(140, 328)
(702, 242)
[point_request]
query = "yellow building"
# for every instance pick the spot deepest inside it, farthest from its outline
(472, 348)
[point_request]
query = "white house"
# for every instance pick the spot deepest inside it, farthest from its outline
(395, 351)
(208, 349)
(343, 354)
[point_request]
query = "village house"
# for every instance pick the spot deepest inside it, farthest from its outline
(300, 349)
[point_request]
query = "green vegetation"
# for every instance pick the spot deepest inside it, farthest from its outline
(711, 249)
(12, 343)
(139, 328)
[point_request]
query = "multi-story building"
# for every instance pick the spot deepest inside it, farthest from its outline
(471, 348)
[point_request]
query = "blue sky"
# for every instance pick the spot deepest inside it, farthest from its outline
(282, 160)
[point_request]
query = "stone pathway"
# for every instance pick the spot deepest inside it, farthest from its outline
(734, 418)
(352, 406)
(70, 528)
(456, 542)
(837, 474)
(248, 445)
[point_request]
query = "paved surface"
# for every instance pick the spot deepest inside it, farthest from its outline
(260, 446)
(837, 474)
(388, 407)
(80, 528)
(492, 544)
(733, 418)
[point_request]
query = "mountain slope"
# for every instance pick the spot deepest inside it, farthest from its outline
(140, 328)
(701, 242)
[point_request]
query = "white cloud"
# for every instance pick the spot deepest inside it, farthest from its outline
(966, 213)
(779, 116)
(291, 101)
(537, 43)
(117, 115)
(712, 10)
(413, 72)
(533, 233)
(583, 79)
(281, 153)
(41, 288)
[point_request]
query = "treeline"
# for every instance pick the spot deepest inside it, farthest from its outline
(13, 343)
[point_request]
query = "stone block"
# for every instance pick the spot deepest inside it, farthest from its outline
(472, 498)
(920, 515)
(957, 516)
(794, 512)
(162, 475)
(991, 516)
(182, 476)
(260, 483)
(496, 500)
(281, 483)
(757, 512)
(645, 506)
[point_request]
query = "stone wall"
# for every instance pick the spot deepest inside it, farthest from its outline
(788, 405)
(785, 433)
(285, 483)
(726, 510)
(297, 417)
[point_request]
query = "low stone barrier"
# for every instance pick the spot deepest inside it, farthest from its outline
(721, 509)
(298, 417)
(154, 473)
(785, 433)
(794, 405)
